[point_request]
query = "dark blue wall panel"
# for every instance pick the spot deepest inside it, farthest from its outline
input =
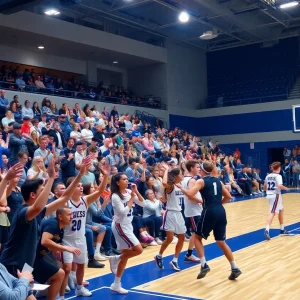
(267, 121)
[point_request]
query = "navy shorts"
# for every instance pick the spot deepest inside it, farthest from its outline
(44, 269)
(213, 219)
(192, 222)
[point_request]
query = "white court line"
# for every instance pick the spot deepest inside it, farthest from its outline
(137, 292)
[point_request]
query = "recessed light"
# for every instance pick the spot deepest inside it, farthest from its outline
(184, 17)
(41, 47)
(289, 4)
(52, 12)
(115, 62)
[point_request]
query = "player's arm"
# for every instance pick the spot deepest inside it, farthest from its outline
(138, 199)
(280, 185)
(168, 187)
(265, 186)
(42, 199)
(190, 186)
(47, 242)
(52, 207)
(226, 195)
(199, 185)
(105, 169)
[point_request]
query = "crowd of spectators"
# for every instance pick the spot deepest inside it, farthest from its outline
(13, 78)
(33, 138)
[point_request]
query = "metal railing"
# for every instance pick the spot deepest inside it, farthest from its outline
(154, 102)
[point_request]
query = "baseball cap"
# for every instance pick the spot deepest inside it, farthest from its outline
(17, 126)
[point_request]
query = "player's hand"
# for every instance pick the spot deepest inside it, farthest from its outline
(179, 185)
(73, 250)
(85, 165)
(7, 209)
(14, 171)
(132, 194)
(25, 274)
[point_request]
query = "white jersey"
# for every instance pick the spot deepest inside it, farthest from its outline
(175, 199)
(191, 208)
(76, 229)
(272, 181)
(123, 214)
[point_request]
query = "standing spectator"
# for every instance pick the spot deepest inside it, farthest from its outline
(237, 154)
(68, 162)
(296, 174)
(287, 153)
(43, 152)
(286, 172)
(58, 136)
(4, 104)
(114, 112)
(86, 133)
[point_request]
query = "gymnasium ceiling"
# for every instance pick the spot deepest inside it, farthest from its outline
(237, 22)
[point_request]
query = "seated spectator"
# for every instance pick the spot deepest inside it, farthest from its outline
(76, 133)
(86, 133)
(15, 287)
(21, 83)
(244, 181)
(37, 170)
(90, 119)
(42, 124)
(36, 111)
(39, 83)
(151, 160)
(25, 128)
(131, 171)
(64, 110)
(11, 81)
(54, 109)
(27, 110)
(50, 85)
(4, 104)
(9, 117)
(46, 107)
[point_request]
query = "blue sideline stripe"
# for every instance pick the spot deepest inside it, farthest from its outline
(147, 272)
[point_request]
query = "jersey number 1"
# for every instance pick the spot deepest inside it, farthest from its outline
(215, 188)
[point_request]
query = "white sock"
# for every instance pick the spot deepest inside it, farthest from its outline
(175, 259)
(73, 274)
(268, 227)
(202, 261)
(79, 287)
(281, 227)
(117, 280)
(233, 265)
(98, 246)
(62, 298)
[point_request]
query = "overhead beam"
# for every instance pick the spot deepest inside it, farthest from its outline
(129, 5)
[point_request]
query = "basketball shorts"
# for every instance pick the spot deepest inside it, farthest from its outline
(192, 222)
(79, 243)
(173, 221)
(124, 235)
(44, 269)
(213, 219)
(275, 202)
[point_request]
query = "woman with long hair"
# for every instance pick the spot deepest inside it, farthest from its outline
(87, 133)
(122, 202)
(37, 169)
(36, 110)
(173, 221)
(76, 134)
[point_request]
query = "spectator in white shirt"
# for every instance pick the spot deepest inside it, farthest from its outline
(79, 154)
(76, 134)
(43, 123)
(27, 110)
(86, 133)
(90, 119)
(9, 117)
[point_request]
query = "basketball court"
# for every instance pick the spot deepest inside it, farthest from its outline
(271, 269)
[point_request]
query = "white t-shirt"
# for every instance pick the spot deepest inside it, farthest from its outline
(87, 134)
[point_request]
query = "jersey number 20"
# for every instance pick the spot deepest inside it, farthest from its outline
(76, 225)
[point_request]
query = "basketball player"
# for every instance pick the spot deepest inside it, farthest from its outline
(273, 185)
(74, 234)
(213, 217)
(173, 221)
(122, 202)
(192, 206)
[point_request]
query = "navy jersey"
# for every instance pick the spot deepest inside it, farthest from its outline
(212, 192)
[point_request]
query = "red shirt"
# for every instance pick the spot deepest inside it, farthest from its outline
(25, 128)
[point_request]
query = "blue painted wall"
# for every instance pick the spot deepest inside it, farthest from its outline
(266, 121)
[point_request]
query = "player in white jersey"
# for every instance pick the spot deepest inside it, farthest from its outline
(122, 200)
(173, 221)
(74, 234)
(192, 207)
(273, 186)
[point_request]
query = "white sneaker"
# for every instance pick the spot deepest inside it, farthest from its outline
(67, 290)
(153, 243)
(158, 241)
(83, 292)
(117, 288)
(100, 257)
(175, 240)
(114, 261)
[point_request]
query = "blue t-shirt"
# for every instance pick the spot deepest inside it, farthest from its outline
(23, 239)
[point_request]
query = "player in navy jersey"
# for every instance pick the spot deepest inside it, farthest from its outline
(213, 217)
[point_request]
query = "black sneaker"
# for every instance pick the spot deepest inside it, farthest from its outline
(159, 261)
(235, 273)
(285, 233)
(204, 270)
(94, 264)
(175, 266)
(267, 235)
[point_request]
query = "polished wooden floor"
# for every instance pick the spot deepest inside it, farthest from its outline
(271, 269)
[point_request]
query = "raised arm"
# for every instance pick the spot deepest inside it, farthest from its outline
(52, 207)
(105, 169)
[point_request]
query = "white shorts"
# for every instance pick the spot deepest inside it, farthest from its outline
(124, 235)
(173, 221)
(275, 202)
(68, 257)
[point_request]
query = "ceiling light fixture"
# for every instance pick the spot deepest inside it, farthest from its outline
(289, 4)
(41, 47)
(115, 62)
(184, 17)
(52, 12)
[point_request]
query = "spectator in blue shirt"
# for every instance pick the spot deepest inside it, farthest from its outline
(4, 104)
(131, 171)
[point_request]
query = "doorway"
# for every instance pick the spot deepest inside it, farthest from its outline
(275, 154)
